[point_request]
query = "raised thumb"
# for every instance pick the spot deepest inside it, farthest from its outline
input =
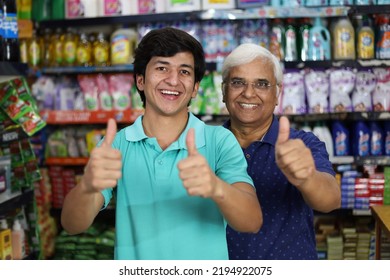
(190, 141)
(110, 133)
(284, 130)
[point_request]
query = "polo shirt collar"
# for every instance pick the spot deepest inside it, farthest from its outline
(136, 132)
(270, 136)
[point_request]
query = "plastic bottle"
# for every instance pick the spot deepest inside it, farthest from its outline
(123, 43)
(11, 49)
(383, 37)
(291, 52)
(377, 139)
(101, 51)
(47, 48)
(386, 133)
(341, 140)
(361, 139)
(1, 31)
(277, 39)
(343, 40)
(69, 48)
(84, 51)
(303, 39)
(18, 246)
(57, 41)
(34, 54)
(365, 40)
(319, 42)
(323, 133)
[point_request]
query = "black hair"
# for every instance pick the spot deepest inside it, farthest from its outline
(167, 42)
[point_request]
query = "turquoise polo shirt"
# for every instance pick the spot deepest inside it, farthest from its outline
(155, 217)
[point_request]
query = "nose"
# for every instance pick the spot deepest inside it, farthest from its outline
(249, 90)
(172, 78)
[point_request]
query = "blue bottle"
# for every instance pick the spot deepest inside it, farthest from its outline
(361, 139)
(377, 139)
(386, 133)
(319, 42)
(341, 140)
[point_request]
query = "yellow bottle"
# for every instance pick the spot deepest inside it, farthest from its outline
(365, 41)
(69, 48)
(57, 48)
(101, 51)
(344, 40)
(123, 43)
(84, 51)
(47, 49)
(23, 50)
(34, 53)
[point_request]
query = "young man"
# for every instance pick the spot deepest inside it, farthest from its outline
(290, 168)
(176, 180)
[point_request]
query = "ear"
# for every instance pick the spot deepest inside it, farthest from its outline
(140, 82)
(279, 89)
(195, 91)
(223, 86)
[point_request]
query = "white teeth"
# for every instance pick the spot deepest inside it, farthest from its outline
(249, 106)
(170, 92)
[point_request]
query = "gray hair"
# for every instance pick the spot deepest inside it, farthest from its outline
(246, 53)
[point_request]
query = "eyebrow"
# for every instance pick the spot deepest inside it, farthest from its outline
(256, 80)
(163, 62)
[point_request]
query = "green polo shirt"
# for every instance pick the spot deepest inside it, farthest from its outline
(155, 217)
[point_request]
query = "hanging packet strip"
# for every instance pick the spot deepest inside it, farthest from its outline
(18, 110)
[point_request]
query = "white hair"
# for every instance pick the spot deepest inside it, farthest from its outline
(246, 53)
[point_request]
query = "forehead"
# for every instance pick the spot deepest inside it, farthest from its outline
(181, 59)
(256, 69)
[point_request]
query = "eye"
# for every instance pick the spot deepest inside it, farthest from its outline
(262, 84)
(185, 72)
(161, 68)
(237, 83)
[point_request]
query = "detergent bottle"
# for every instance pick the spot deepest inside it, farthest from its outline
(319, 42)
(344, 39)
(365, 40)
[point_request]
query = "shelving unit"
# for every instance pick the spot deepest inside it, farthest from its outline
(60, 118)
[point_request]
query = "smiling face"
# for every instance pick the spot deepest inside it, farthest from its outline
(248, 106)
(169, 84)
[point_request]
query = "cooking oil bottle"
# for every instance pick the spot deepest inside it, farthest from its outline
(47, 49)
(84, 51)
(34, 54)
(69, 48)
(57, 42)
(101, 51)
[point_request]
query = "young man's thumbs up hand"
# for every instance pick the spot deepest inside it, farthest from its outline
(104, 167)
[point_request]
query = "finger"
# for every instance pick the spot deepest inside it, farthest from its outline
(110, 133)
(284, 130)
(190, 141)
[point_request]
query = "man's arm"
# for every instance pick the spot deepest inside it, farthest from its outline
(83, 203)
(238, 202)
(319, 189)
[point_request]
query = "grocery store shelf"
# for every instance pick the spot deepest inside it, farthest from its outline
(341, 116)
(9, 202)
(131, 19)
(10, 69)
(88, 117)
(274, 12)
(66, 161)
(91, 69)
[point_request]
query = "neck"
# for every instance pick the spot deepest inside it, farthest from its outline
(247, 134)
(165, 129)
